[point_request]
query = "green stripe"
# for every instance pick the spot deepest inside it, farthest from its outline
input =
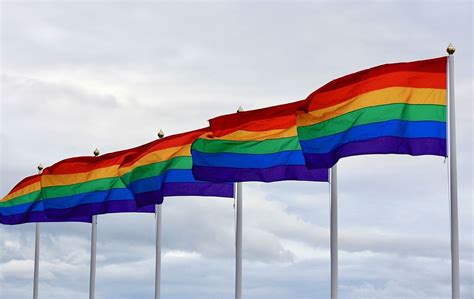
(156, 169)
(247, 147)
(341, 123)
(89, 186)
(26, 198)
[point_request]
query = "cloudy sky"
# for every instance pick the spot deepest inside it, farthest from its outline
(80, 75)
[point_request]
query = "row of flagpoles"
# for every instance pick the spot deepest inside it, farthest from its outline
(455, 287)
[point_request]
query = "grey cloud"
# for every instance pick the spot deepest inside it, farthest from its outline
(77, 76)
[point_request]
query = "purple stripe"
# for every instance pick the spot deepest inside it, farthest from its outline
(273, 174)
(149, 198)
(114, 206)
(199, 189)
(381, 145)
(39, 217)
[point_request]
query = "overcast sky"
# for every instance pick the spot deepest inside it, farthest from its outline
(81, 75)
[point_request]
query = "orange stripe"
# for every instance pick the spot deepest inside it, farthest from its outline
(242, 135)
(23, 191)
(320, 99)
(385, 96)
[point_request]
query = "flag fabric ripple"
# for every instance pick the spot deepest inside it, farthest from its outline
(132, 180)
(395, 108)
(260, 145)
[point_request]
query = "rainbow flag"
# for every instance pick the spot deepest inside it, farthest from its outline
(164, 168)
(259, 145)
(132, 180)
(86, 186)
(389, 109)
(23, 204)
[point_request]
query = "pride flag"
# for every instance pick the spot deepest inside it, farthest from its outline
(164, 168)
(389, 109)
(23, 204)
(132, 180)
(85, 186)
(259, 145)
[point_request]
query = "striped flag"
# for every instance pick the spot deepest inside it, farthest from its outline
(259, 145)
(23, 204)
(390, 109)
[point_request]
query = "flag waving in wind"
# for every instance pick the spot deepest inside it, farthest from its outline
(390, 109)
(259, 145)
(24, 204)
(163, 168)
(132, 180)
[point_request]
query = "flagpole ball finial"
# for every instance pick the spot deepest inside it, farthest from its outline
(40, 167)
(161, 134)
(96, 152)
(240, 109)
(451, 49)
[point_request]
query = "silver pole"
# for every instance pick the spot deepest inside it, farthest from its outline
(333, 228)
(37, 252)
(93, 248)
(93, 257)
(238, 244)
(453, 178)
(158, 215)
(36, 270)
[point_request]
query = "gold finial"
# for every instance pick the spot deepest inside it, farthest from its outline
(40, 167)
(451, 49)
(240, 109)
(96, 152)
(161, 134)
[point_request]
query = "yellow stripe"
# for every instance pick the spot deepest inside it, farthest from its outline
(76, 178)
(23, 191)
(391, 95)
(242, 135)
(159, 156)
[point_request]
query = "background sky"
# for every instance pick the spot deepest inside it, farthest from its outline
(80, 75)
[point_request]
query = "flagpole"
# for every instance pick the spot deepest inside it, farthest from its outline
(238, 236)
(37, 252)
(158, 218)
(238, 243)
(453, 178)
(333, 237)
(158, 215)
(93, 249)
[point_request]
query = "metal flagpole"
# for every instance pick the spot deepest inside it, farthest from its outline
(93, 249)
(453, 178)
(158, 252)
(158, 217)
(333, 237)
(238, 236)
(238, 243)
(37, 252)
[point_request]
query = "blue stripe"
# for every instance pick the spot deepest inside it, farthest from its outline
(256, 161)
(391, 128)
(71, 201)
(88, 198)
(23, 208)
(155, 183)
(36, 206)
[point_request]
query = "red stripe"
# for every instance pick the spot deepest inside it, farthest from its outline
(282, 122)
(124, 157)
(281, 116)
(419, 74)
(435, 65)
